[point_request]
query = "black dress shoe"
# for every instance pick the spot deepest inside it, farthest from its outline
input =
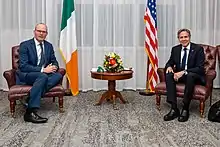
(34, 118)
(184, 116)
(172, 115)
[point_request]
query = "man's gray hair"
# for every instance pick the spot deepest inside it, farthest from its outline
(184, 30)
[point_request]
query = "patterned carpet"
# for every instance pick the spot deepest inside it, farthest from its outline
(136, 124)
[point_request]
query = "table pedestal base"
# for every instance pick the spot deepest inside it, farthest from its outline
(111, 95)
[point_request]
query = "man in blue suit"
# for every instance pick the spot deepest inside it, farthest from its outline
(37, 67)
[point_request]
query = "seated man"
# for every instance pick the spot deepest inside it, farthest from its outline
(188, 61)
(37, 67)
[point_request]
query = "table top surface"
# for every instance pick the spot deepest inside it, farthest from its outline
(113, 73)
(125, 74)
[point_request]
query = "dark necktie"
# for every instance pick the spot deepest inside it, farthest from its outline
(184, 59)
(42, 59)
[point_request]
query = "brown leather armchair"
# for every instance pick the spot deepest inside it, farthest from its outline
(17, 92)
(201, 93)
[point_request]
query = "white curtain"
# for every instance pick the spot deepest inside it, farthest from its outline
(109, 25)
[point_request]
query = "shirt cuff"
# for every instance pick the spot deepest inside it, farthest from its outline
(42, 69)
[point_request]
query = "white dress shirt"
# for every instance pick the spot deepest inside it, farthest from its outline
(38, 48)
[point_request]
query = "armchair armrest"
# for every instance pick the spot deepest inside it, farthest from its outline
(62, 71)
(161, 74)
(10, 77)
(210, 76)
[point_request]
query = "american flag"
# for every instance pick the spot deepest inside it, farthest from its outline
(151, 43)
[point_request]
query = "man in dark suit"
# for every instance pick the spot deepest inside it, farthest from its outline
(37, 67)
(186, 65)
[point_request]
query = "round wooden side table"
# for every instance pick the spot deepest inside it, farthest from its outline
(111, 94)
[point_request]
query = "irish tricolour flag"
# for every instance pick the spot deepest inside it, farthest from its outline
(68, 44)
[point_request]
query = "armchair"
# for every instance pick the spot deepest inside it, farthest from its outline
(17, 92)
(201, 93)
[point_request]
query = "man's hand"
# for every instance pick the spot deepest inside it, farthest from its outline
(178, 75)
(50, 68)
(169, 69)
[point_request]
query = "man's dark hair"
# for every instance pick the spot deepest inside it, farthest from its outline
(183, 30)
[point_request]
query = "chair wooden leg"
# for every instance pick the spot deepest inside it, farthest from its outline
(12, 108)
(53, 99)
(158, 98)
(61, 104)
(202, 107)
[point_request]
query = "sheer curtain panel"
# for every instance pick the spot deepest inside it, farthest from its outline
(108, 25)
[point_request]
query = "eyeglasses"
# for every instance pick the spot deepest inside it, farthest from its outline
(39, 31)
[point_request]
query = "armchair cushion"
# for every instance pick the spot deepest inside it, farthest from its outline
(18, 91)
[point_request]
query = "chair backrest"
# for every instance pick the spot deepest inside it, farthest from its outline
(15, 57)
(210, 57)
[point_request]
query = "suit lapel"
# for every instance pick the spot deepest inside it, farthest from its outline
(191, 52)
(45, 51)
(33, 47)
(45, 48)
(179, 54)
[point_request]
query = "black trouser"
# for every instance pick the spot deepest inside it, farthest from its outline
(190, 80)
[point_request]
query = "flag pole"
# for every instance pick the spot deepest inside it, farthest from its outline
(147, 92)
(150, 43)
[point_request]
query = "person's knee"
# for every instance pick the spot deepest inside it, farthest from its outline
(59, 76)
(169, 75)
(56, 77)
(43, 76)
(190, 76)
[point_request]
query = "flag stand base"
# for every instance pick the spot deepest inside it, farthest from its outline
(147, 93)
(68, 92)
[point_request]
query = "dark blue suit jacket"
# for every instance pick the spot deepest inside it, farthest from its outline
(28, 59)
